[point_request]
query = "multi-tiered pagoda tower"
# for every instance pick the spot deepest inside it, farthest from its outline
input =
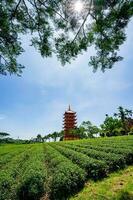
(70, 123)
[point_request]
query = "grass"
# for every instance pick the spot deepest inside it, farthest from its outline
(118, 186)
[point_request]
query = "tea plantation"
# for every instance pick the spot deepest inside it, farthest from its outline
(57, 170)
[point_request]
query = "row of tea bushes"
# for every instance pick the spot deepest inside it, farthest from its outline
(15, 178)
(113, 161)
(9, 175)
(127, 153)
(95, 169)
(96, 160)
(102, 143)
(65, 177)
(8, 148)
(32, 184)
(119, 145)
(6, 158)
(121, 141)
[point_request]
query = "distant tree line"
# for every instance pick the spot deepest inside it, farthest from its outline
(121, 123)
(50, 137)
(5, 138)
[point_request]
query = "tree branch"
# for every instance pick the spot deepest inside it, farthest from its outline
(83, 22)
(27, 10)
(38, 19)
(42, 3)
(14, 12)
(3, 59)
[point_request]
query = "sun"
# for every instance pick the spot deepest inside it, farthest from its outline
(78, 6)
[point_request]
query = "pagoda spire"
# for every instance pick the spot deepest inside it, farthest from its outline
(69, 108)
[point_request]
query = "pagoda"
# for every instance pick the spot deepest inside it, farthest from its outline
(69, 122)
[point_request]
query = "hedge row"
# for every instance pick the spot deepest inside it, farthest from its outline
(115, 145)
(65, 177)
(8, 148)
(8, 177)
(6, 158)
(113, 161)
(125, 143)
(33, 181)
(114, 142)
(95, 169)
(127, 153)
(99, 142)
(19, 179)
(124, 140)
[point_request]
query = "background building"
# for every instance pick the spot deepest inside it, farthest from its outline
(70, 123)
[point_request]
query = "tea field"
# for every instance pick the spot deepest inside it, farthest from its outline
(57, 170)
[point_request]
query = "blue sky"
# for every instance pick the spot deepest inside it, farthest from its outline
(35, 103)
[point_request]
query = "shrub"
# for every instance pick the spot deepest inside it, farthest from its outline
(5, 186)
(127, 153)
(95, 169)
(124, 195)
(32, 186)
(66, 177)
(22, 177)
(114, 161)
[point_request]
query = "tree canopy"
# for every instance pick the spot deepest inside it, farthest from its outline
(57, 28)
(3, 134)
(120, 124)
(124, 115)
(111, 127)
(89, 129)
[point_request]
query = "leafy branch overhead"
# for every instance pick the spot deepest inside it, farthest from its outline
(57, 28)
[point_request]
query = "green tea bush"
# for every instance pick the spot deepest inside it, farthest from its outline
(116, 147)
(95, 169)
(32, 185)
(7, 158)
(127, 153)
(23, 174)
(66, 177)
(114, 161)
(6, 182)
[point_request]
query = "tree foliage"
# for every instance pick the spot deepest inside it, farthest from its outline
(56, 28)
(89, 129)
(118, 124)
(78, 132)
(3, 134)
(39, 138)
(124, 115)
(85, 130)
(111, 127)
(53, 136)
